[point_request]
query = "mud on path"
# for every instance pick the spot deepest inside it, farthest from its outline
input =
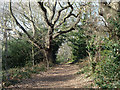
(61, 76)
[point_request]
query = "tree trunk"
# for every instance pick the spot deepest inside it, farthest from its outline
(48, 47)
(33, 59)
(48, 57)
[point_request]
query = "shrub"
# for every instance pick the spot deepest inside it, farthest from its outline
(108, 69)
(19, 52)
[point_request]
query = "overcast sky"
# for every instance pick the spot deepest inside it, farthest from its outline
(60, 0)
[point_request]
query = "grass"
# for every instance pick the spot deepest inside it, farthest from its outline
(15, 75)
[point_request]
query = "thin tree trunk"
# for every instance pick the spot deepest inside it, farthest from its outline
(33, 59)
(5, 49)
(6, 55)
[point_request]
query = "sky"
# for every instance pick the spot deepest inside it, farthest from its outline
(60, 0)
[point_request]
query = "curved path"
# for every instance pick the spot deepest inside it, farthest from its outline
(61, 76)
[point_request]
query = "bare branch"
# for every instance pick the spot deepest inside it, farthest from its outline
(33, 25)
(18, 32)
(30, 38)
(59, 13)
(70, 14)
(28, 18)
(69, 29)
(10, 7)
(108, 6)
(75, 15)
(110, 29)
(60, 5)
(45, 14)
(54, 8)
(62, 32)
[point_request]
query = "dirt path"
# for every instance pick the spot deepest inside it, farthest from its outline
(62, 76)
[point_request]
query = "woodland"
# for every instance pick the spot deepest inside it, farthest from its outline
(60, 44)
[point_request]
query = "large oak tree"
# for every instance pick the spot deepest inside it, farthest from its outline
(55, 15)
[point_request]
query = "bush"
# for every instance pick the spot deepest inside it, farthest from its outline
(108, 69)
(78, 45)
(19, 52)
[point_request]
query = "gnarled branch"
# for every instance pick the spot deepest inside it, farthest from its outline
(45, 14)
(54, 8)
(59, 13)
(69, 29)
(70, 14)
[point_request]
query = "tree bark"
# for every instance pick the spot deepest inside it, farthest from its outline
(48, 57)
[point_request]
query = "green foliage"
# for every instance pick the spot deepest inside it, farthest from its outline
(38, 56)
(19, 52)
(115, 25)
(104, 54)
(90, 45)
(84, 70)
(56, 44)
(60, 59)
(78, 44)
(108, 69)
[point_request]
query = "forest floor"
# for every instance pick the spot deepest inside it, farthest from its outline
(60, 76)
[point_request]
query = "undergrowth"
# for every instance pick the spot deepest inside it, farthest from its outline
(15, 75)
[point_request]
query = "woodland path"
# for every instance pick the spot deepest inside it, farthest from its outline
(61, 76)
